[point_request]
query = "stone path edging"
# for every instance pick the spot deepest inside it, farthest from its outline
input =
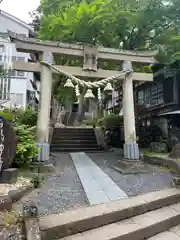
(72, 222)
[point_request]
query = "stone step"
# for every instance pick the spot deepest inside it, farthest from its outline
(75, 149)
(74, 130)
(139, 228)
(73, 140)
(99, 216)
(171, 234)
(74, 145)
(74, 135)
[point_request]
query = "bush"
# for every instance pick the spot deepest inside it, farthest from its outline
(90, 122)
(111, 125)
(36, 181)
(26, 150)
(7, 115)
(28, 117)
(111, 121)
(19, 116)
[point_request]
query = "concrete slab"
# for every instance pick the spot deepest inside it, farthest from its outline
(99, 187)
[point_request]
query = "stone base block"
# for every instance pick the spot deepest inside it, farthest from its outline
(130, 167)
(9, 175)
(47, 168)
(131, 151)
(176, 182)
(158, 147)
(44, 150)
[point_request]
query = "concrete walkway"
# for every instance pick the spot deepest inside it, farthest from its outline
(98, 186)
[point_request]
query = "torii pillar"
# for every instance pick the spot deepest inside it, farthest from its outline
(44, 108)
(131, 148)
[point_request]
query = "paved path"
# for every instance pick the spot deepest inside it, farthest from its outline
(98, 186)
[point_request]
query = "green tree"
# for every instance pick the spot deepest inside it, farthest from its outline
(129, 24)
(126, 24)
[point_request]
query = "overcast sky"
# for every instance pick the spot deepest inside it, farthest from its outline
(20, 8)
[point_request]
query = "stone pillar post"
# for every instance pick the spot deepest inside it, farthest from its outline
(80, 107)
(131, 149)
(45, 100)
(44, 107)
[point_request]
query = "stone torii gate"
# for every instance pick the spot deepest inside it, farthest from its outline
(90, 54)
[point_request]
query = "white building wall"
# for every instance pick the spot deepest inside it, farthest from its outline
(20, 82)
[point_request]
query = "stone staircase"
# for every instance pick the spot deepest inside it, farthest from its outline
(153, 216)
(73, 139)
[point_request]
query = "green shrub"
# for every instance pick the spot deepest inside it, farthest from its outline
(111, 121)
(19, 116)
(90, 122)
(28, 117)
(7, 115)
(37, 180)
(26, 150)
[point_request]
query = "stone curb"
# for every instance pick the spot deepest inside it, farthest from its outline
(71, 222)
(32, 229)
(165, 162)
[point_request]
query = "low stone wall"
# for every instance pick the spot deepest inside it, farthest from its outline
(170, 163)
(100, 137)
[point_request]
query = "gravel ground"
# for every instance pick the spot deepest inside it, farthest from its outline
(61, 191)
(21, 182)
(11, 227)
(134, 184)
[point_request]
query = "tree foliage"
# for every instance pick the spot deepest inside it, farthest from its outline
(126, 24)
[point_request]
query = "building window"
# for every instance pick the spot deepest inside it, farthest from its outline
(147, 96)
(140, 97)
(21, 58)
(14, 58)
(154, 95)
(13, 73)
(22, 35)
(1, 49)
(4, 88)
(1, 88)
(17, 98)
(157, 94)
(160, 93)
(4, 35)
(20, 74)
